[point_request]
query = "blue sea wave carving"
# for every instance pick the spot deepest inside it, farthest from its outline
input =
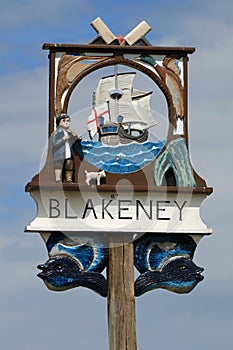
(120, 159)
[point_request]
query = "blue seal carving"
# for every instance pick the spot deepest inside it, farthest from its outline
(165, 261)
(75, 261)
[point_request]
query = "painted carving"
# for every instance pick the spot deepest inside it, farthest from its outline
(121, 159)
(165, 261)
(63, 140)
(94, 177)
(173, 168)
(170, 73)
(118, 126)
(125, 111)
(105, 35)
(75, 261)
(121, 155)
(69, 68)
(120, 141)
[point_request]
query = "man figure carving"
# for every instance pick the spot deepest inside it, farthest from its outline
(63, 139)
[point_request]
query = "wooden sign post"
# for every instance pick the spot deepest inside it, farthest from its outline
(121, 302)
(115, 197)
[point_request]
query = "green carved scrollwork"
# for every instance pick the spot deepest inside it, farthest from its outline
(175, 158)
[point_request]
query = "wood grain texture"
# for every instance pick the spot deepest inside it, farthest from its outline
(121, 302)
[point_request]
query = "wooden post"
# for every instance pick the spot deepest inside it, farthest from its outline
(121, 301)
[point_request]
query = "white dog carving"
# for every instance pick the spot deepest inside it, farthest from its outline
(94, 176)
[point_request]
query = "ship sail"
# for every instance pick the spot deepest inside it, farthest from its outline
(141, 103)
(107, 84)
(116, 98)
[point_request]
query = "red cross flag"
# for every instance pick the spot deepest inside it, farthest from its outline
(93, 119)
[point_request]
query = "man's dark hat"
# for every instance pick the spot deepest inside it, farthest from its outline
(62, 116)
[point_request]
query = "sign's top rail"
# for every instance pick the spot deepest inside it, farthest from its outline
(160, 50)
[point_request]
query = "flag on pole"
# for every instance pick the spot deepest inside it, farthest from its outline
(93, 119)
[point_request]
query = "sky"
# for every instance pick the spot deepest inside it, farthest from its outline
(31, 316)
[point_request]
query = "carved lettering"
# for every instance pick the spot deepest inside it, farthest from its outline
(159, 209)
(120, 209)
(127, 210)
(139, 204)
(180, 208)
(54, 211)
(104, 209)
(89, 206)
(66, 211)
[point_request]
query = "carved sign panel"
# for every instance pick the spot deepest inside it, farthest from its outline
(110, 173)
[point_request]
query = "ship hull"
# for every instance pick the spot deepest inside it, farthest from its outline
(113, 134)
(109, 134)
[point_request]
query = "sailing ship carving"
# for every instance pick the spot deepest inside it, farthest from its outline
(118, 126)
(121, 114)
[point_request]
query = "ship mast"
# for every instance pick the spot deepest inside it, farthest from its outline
(115, 94)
